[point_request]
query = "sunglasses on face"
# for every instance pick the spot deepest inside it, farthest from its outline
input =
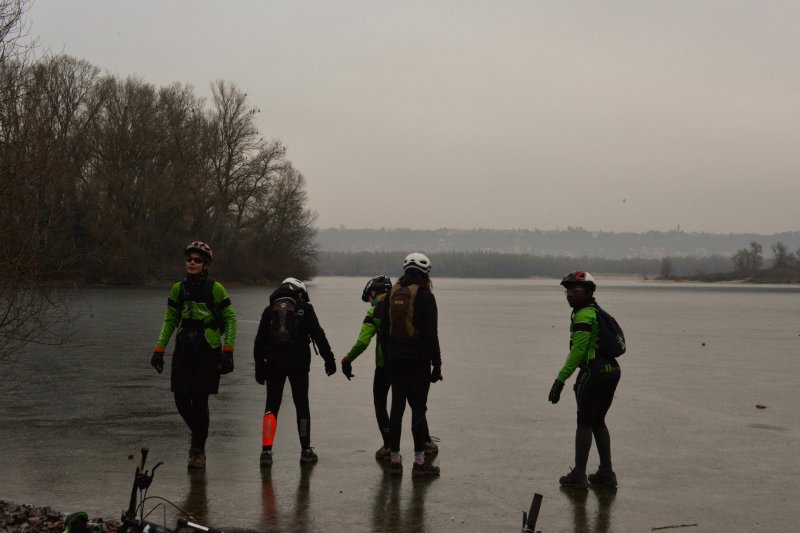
(195, 260)
(573, 290)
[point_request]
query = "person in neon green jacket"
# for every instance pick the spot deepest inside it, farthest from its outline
(374, 292)
(594, 388)
(201, 311)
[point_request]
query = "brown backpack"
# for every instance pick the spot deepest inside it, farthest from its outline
(401, 313)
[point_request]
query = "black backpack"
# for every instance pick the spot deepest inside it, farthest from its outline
(611, 340)
(284, 325)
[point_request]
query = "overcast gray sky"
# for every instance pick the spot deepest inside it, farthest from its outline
(613, 116)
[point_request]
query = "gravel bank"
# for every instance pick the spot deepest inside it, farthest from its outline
(29, 519)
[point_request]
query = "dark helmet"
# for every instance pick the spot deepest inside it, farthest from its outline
(417, 261)
(201, 248)
(296, 285)
(379, 284)
(579, 278)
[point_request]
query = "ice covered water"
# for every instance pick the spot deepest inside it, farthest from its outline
(690, 444)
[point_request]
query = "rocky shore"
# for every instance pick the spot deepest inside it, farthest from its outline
(16, 518)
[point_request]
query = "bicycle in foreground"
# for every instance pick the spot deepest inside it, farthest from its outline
(134, 519)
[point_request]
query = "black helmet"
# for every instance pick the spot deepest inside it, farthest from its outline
(379, 284)
(201, 248)
(579, 278)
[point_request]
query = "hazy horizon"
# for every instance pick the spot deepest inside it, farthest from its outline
(615, 116)
(343, 227)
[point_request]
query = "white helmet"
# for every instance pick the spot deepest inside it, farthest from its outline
(579, 278)
(418, 261)
(295, 285)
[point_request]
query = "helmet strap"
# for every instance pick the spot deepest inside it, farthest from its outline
(203, 274)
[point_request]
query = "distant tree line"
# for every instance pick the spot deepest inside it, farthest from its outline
(106, 179)
(747, 264)
(504, 265)
(751, 259)
(569, 241)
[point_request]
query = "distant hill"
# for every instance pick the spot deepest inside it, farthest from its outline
(571, 242)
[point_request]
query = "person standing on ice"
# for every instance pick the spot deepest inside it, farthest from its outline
(374, 293)
(200, 309)
(594, 388)
(281, 351)
(409, 338)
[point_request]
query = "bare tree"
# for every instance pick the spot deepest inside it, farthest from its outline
(666, 268)
(13, 29)
(257, 210)
(239, 161)
(782, 257)
(286, 232)
(748, 260)
(128, 178)
(29, 313)
(78, 150)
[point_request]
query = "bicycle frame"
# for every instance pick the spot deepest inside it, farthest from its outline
(141, 482)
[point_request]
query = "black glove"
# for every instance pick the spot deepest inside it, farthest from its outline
(330, 367)
(347, 369)
(436, 374)
(226, 363)
(157, 361)
(555, 392)
(261, 372)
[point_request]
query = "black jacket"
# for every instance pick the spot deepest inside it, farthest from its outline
(426, 321)
(296, 355)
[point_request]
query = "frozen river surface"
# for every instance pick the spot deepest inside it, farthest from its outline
(691, 445)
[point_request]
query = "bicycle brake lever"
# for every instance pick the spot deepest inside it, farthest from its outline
(147, 478)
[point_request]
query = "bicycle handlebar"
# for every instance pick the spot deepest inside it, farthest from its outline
(152, 527)
(183, 522)
(144, 525)
(141, 482)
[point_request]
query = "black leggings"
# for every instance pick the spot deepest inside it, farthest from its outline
(298, 381)
(193, 408)
(381, 384)
(594, 392)
(410, 383)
